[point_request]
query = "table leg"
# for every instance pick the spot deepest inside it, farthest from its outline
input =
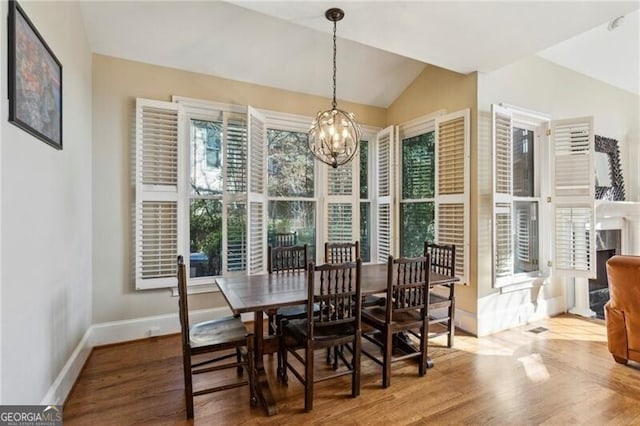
(403, 342)
(265, 397)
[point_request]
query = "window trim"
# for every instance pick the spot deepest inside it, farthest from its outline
(539, 123)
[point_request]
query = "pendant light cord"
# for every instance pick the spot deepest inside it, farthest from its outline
(334, 65)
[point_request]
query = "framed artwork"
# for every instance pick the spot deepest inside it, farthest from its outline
(609, 181)
(35, 80)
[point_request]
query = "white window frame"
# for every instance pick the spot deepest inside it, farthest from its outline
(369, 136)
(416, 127)
(513, 116)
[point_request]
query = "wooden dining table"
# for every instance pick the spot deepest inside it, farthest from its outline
(265, 292)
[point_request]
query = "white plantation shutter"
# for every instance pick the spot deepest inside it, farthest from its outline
(502, 134)
(384, 193)
(452, 186)
(256, 213)
(574, 195)
(342, 212)
(157, 180)
(235, 192)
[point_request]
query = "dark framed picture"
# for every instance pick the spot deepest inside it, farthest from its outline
(35, 80)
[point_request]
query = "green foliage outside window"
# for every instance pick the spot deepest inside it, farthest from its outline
(418, 185)
(205, 237)
(290, 164)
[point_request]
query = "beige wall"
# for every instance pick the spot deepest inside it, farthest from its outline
(116, 84)
(434, 89)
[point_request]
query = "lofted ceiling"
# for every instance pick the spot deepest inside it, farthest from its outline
(382, 45)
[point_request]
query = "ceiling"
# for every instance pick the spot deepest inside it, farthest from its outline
(382, 45)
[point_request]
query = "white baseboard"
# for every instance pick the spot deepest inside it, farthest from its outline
(466, 321)
(117, 332)
(138, 328)
(62, 385)
(494, 321)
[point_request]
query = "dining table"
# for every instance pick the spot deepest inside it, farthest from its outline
(261, 293)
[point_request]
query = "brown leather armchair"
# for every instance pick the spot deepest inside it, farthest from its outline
(622, 311)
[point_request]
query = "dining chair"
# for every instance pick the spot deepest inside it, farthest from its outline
(286, 239)
(286, 260)
(336, 290)
(442, 302)
(340, 252)
(406, 311)
(349, 252)
(223, 334)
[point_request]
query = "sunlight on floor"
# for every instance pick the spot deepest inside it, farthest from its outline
(534, 368)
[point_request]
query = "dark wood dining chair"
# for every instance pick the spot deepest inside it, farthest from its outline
(286, 260)
(340, 252)
(349, 252)
(212, 337)
(336, 290)
(442, 301)
(285, 239)
(406, 311)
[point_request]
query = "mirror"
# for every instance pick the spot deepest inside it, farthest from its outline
(603, 178)
(609, 181)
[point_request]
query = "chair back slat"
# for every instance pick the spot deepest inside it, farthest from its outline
(287, 259)
(182, 301)
(407, 285)
(335, 289)
(286, 239)
(341, 252)
(443, 258)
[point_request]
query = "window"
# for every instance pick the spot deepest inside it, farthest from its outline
(191, 177)
(529, 166)
(525, 202)
(519, 139)
(433, 185)
(205, 199)
(291, 179)
(218, 181)
(365, 202)
(417, 201)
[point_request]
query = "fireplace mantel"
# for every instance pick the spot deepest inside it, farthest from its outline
(622, 215)
(610, 215)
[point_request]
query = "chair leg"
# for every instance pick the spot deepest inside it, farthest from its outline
(386, 358)
(308, 378)
(282, 355)
(329, 356)
(240, 370)
(452, 324)
(424, 335)
(355, 363)
(188, 385)
(281, 367)
(271, 323)
(253, 399)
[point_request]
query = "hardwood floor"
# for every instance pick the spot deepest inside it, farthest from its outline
(564, 375)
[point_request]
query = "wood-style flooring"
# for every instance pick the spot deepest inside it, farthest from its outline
(564, 375)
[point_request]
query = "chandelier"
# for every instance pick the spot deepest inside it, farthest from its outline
(334, 134)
